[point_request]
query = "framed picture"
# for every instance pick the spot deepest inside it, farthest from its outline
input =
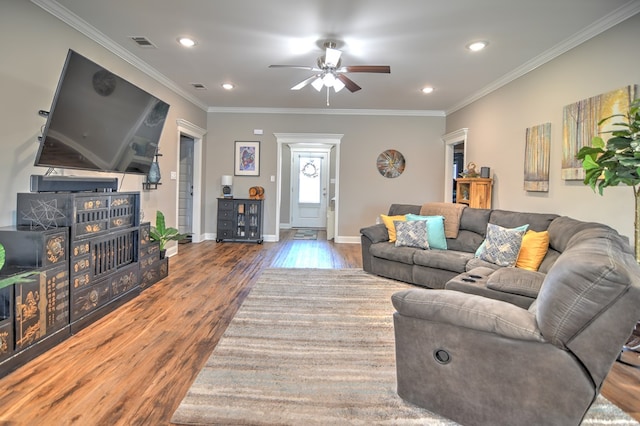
(247, 158)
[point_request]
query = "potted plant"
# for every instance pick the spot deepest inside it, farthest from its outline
(617, 161)
(161, 233)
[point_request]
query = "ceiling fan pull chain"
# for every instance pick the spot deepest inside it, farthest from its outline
(327, 96)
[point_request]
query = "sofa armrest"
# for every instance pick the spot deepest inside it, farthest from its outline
(376, 233)
(468, 311)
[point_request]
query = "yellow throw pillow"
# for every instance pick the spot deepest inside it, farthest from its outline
(391, 228)
(534, 248)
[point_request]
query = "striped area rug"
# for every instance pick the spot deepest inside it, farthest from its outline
(314, 347)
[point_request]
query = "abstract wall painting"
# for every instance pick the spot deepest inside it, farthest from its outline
(247, 158)
(580, 125)
(537, 156)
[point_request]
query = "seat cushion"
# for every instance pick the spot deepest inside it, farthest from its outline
(516, 281)
(449, 260)
(389, 251)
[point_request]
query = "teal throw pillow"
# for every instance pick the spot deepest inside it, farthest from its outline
(412, 234)
(435, 230)
(502, 245)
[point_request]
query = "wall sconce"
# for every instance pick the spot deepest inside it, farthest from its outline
(227, 183)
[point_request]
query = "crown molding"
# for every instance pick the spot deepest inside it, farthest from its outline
(601, 25)
(77, 23)
(321, 111)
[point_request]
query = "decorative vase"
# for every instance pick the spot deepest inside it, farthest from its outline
(154, 173)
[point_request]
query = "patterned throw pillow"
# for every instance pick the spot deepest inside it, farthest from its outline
(502, 245)
(435, 230)
(412, 234)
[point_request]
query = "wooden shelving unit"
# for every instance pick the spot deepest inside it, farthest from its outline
(474, 192)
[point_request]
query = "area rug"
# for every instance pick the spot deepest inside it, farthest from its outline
(306, 234)
(315, 347)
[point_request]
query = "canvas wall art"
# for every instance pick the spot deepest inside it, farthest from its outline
(537, 158)
(580, 125)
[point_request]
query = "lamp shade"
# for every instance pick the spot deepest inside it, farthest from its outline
(227, 180)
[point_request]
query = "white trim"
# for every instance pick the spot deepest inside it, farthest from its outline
(451, 139)
(197, 134)
(320, 111)
(608, 21)
(318, 138)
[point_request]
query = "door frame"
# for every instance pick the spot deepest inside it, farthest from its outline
(196, 133)
(308, 138)
(450, 140)
(305, 148)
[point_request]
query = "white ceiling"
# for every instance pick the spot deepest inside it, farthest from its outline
(422, 40)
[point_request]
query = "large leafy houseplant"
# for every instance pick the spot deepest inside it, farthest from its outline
(617, 161)
(164, 234)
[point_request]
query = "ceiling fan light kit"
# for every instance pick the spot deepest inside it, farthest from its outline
(330, 72)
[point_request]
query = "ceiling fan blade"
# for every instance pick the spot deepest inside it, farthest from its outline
(367, 68)
(304, 83)
(300, 67)
(349, 84)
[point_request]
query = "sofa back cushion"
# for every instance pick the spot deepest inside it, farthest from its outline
(508, 219)
(473, 225)
(564, 228)
(402, 209)
(592, 273)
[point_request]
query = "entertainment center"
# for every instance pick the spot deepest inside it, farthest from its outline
(80, 255)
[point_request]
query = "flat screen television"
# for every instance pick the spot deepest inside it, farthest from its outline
(99, 121)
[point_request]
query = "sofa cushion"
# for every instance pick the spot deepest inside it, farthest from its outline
(449, 260)
(411, 234)
(476, 262)
(502, 245)
(435, 230)
(516, 281)
(509, 219)
(391, 227)
(403, 209)
(389, 251)
(562, 229)
(533, 249)
(475, 220)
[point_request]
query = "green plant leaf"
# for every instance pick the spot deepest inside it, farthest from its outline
(2, 256)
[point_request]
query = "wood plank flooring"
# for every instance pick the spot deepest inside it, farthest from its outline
(133, 366)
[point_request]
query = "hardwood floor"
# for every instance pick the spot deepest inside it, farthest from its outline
(133, 366)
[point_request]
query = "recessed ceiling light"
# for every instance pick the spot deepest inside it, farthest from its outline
(427, 90)
(186, 41)
(477, 46)
(227, 86)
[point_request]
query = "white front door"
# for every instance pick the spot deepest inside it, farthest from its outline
(310, 182)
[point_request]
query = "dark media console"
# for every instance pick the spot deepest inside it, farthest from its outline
(72, 184)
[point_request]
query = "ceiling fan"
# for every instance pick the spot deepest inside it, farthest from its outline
(329, 71)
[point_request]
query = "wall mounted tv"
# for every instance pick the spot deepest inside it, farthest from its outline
(99, 121)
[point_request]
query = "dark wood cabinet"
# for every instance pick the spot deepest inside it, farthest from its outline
(239, 219)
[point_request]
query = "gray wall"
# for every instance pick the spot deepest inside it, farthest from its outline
(29, 73)
(364, 193)
(498, 121)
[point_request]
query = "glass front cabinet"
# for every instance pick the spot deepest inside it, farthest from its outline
(239, 220)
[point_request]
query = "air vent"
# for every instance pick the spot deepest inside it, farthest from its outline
(143, 42)
(199, 86)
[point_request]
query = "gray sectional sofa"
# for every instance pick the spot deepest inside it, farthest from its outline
(439, 269)
(512, 346)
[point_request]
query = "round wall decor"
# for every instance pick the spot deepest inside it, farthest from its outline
(391, 163)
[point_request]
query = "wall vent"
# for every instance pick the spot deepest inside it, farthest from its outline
(143, 42)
